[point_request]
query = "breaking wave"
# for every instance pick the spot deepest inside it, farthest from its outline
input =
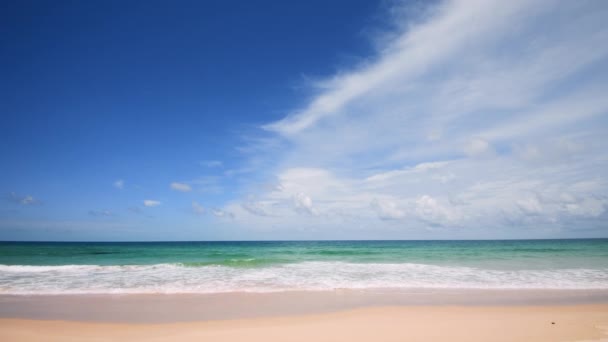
(315, 276)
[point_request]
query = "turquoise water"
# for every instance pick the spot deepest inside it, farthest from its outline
(209, 267)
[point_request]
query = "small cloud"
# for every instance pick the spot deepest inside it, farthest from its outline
(100, 213)
(197, 208)
(181, 187)
(431, 210)
(222, 213)
(387, 210)
(23, 200)
(478, 147)
(151, 203)
(119, 184)
(303, 204)
(255, 208)
(212, 163)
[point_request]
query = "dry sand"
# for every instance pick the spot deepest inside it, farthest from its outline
(405, 323)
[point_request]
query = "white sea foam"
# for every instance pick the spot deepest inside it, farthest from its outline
(176, 278)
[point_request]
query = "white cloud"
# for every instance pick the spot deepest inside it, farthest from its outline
(22, 199)
(411, 171)
(222, 213)
(256, 208)
(119, 184)
(197, 208)
(477, 147)
(449, 33)
(388, 210)
(431, 210)
(181, 187)
(303, 204)
(151, 203)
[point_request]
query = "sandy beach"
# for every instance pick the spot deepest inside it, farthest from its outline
(413, 323)
(341, 315)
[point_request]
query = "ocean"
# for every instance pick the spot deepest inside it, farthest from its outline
(47, 268)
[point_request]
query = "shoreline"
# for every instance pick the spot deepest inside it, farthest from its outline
(175, 308)
(411, 323)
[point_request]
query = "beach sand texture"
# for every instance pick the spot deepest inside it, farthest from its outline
(427, 323)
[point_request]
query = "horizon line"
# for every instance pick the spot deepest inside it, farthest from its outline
(306, 240)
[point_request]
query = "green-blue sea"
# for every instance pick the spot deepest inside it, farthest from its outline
(267, 266)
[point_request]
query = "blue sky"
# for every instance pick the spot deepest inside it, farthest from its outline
(207, 120)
